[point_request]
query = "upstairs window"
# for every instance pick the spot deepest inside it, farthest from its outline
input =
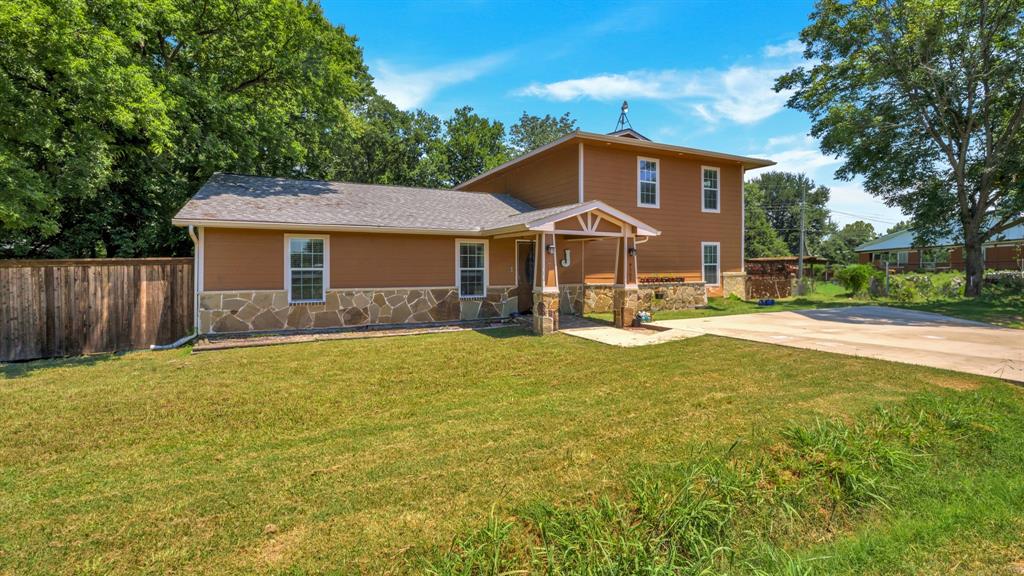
(709, 254)
(712, 189)
(647, 187)
(472, 269)
(306, 274)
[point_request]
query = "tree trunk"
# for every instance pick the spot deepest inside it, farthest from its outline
(974, 267)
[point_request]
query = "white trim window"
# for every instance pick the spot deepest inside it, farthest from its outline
(711, 262)
(648, 187)
(306, 275)
(711, 189)
(471, 268)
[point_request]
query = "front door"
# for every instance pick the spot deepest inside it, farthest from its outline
(524, 275)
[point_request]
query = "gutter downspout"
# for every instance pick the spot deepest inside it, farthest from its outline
(195, 298)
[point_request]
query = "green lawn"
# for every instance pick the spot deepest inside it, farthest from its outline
(374, 455)
(997, 306)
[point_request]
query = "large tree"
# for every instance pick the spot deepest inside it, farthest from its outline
(472, 144)
(531, 132)
(761, 240)
(840, 245)
(925, 100)
(113, 114)
(783, 193)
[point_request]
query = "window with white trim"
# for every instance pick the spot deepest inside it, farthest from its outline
(897, 258)
(712, 188)
(647, 183)
(709, 252)
(307, 279)
(472, 269)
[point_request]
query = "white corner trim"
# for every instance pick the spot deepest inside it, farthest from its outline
(288, 266)
(580, 175)
(718, 265)
(458, 266)
(743, 219)
(657, 182)
(201, 263)
(718, 192)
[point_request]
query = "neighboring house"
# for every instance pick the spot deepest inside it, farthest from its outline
(588, 223)
(898, 250)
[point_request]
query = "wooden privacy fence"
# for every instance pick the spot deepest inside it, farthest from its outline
(67, 307)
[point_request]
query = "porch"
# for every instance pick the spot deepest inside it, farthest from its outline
(550, 260)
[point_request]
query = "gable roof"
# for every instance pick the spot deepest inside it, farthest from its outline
(578, 135)
(629, 133)
(904, 239)
(239, 201)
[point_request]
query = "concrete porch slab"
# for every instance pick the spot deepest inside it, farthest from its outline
(627, 337)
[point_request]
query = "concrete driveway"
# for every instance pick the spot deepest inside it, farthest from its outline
(894, 334)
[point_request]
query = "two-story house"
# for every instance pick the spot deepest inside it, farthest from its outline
(590, 222)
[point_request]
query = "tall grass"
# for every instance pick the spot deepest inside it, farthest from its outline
(749, 514)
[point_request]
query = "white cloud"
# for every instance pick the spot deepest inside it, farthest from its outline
(848, 200)
(412, 88)
(743, 94)
(785, 49)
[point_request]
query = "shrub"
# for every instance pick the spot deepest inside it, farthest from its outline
(1005, 278)
(855, 277)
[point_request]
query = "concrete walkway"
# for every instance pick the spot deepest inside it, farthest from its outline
(628, 337)
(885, 333)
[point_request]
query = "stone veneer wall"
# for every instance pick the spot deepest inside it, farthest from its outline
(674, 296)
(545, 312)
(263, 310)
(580, 299)
(734, 284)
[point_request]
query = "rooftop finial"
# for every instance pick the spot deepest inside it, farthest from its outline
(623, 118)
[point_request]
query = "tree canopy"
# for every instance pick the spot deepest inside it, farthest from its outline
(925, 101)
(761, 240)
(532, 132)
(782, 193)
(840, 245)
(112, 115)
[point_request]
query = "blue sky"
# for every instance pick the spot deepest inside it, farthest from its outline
(696, 74)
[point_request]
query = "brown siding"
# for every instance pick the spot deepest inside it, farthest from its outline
(237, 259)
(610, 175)
(571, 274)
(502, 256)
(549, 179)
(391, 260)
(864, 258)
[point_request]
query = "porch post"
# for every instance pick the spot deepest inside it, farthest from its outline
(626, 298)
(545, 286)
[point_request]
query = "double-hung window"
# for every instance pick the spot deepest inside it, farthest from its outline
(712, 189)
(307, 268)
(647, 187)
(709, 255)
(471, 259)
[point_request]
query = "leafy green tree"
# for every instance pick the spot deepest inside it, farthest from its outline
(782, 198)
(925, 100)
(532, 132)
(839, 246)
(75, 101)
(472, 144)
(762, 240)
(899, 226)
(113, 114)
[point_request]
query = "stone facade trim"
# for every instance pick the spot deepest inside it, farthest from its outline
(269, 310)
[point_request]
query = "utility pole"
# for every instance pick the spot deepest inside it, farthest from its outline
(803, 238)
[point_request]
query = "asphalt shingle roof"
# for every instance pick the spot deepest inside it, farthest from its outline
(904, 239)
(238, 198)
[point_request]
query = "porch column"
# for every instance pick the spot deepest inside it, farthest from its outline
(626, 297)
(545, 286)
